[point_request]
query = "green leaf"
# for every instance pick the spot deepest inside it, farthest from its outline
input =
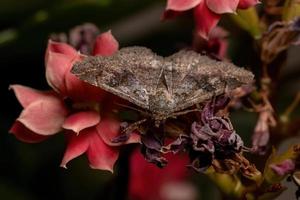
(228, 184)
(291, 9)
(293, 153)
(248, 20)
(8, 35)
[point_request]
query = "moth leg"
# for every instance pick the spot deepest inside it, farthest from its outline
(174, 115)
(125, 133)
(133, 126)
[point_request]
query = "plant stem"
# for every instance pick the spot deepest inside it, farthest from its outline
(286, 115)
(121, 182)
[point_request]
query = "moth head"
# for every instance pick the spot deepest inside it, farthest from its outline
(238, 77)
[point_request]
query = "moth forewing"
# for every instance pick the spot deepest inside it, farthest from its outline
(162, 86)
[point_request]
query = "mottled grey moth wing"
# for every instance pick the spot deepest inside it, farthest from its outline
(196, 78)
(161, 85)
(131, 73)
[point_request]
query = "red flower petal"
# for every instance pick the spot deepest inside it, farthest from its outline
(61, 48)
(217, 42)
(100, 155)
(219, 33)
(144, 174)
(182, 5)
(106, 44)
(244, 4)
(205, 19)
(24, 134)
(59, 60)
(44, 117)
(79, 90)
(77, 145)
(81, 120)
(27, 95)
(108, 129)
(222, 6)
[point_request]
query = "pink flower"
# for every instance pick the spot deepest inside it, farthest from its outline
(207, 13)
(215, 46)
(73, 106)
(266, 120)
(283, 168)
(147, 182)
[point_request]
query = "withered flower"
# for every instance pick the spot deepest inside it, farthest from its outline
(82, 38)
(212, 139)
(151, 148)
(278, 38)
(265, 121)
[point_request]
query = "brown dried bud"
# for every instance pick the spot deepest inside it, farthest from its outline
(278, 38)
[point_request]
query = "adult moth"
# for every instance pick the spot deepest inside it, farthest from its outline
(164, 87)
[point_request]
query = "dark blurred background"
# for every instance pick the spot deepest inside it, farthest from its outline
(31, 171)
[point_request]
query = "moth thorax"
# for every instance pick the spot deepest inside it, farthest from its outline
(161, 102)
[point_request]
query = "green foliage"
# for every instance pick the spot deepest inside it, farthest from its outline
(291, 10)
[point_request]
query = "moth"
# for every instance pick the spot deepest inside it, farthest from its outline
(163, 86)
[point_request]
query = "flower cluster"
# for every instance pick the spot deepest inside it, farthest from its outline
(211, 139)
(72, 106)
(77, 108)
(207, 13)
